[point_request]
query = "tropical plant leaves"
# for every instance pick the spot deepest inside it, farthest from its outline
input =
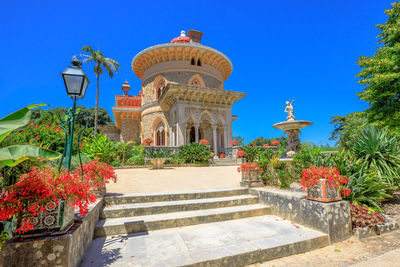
(13, 155)
(15, 120)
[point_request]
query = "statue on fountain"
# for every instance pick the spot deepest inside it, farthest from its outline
(289, 110)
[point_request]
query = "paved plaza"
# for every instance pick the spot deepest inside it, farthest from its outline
(172, 179)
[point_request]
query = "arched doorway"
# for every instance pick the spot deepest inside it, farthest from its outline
(160, 135)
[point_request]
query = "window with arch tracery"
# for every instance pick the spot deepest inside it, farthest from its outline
(198, 62)
(192, 62)
(195, 82)
(160, 135)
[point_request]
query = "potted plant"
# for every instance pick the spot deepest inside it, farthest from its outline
(43, 200)
(250, 172)
(234, 143)
(324, 183)
(204, 142)
(147, 142)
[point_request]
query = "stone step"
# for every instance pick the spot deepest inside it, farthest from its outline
(227, 243)
(138, 209)
(127, 225)
(111, 199)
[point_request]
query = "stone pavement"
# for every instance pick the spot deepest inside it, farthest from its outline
(144, 180)
(267, 234)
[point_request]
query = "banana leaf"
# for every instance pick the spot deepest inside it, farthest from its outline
(13, 155)
(15, 120)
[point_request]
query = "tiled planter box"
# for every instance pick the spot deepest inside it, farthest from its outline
(323, 192)
(251, 178)
(56, 218)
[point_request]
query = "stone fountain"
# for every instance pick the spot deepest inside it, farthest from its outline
(292, 128)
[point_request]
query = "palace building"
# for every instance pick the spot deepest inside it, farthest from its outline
(182, 98)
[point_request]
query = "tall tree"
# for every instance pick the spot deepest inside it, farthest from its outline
(381, 75)
(100, 62)
(347, 128)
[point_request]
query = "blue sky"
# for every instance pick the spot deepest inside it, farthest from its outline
(280, 50)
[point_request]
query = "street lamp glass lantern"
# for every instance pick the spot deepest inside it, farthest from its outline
(75, 80)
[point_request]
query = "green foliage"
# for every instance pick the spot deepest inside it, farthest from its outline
(158, 154)
(347, 129)
(275, 172)
(377, 150)
(194, 153)
(252, 152)
(100, 147)
(11, 156)
(380, 74)
(367, 188)
(136, 155)
(84, 118)
(260, 141)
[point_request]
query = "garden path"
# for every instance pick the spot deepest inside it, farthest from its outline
(170, 179)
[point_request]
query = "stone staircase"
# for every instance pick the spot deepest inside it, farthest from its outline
(223, 227)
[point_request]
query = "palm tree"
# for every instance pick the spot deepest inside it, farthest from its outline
(101, 62)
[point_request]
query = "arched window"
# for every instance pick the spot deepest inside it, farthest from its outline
(159, 86)
(160, 135)
(196, 80)
(192, 62)
(198, 62)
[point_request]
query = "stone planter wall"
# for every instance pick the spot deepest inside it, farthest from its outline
(64, 250)
(332, 218)
(388, 226)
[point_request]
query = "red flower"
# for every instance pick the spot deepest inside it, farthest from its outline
(204, 142)
(222, 155)
(265, 145)
(240, 154)
(234, 143)
(275, 143)
(147, 142)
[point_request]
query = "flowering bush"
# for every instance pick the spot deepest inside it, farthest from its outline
(204, 142)
(147, 142)
(362, 217)
(275, 143)
(240, 154)
(249, 166)
(29, 196)
(48, 133)
(98, 173)
(265, 145)
(222, 155)
(311, 176)
(234, 143)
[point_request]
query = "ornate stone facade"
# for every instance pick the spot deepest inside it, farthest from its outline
(182, 97)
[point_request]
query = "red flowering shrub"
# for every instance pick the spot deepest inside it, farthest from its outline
(99, 173)
(222, 155)
(249, 166)
(362, 217)
(275, 143)
(265, 145)
(29, 196)
(240, 154)
(147, 142)
(204, 142)
(234, 143)
(311, 176)
(48, 133)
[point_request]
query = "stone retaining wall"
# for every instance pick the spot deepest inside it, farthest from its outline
(331, 218)
(388, 226)
(64, 250)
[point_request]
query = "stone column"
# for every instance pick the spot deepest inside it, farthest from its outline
(225, 138)
(172, 140)
(214, 128)
(196, 129)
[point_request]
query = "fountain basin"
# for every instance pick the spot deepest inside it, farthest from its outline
(292, 125)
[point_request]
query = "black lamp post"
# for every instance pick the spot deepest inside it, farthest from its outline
(76, 83)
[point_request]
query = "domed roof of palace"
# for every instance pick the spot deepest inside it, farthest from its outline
(182, 48)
